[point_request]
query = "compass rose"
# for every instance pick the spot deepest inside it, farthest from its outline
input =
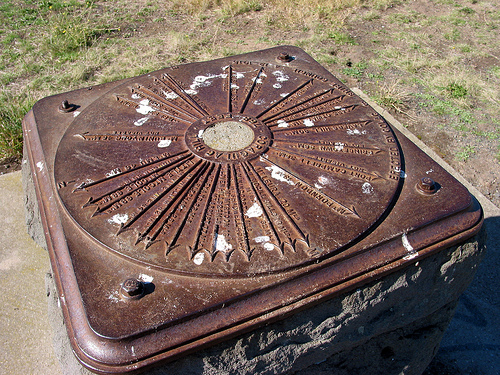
(220, 170)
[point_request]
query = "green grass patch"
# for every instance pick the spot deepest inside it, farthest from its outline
(464, 48)
(467, 10)
(466, 152)
(495, 71)
(52, 46)
(389, 101)
(375, 76)
(341, 38)
(371, 16)
(456, 90)
(70, 35)
(355, 70)
(12, 110)
(445, 107)
(404, 18)
(453, 35)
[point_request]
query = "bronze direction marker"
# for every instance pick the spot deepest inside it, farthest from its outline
(188, 205)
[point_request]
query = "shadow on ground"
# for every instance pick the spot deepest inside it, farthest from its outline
(471, 344)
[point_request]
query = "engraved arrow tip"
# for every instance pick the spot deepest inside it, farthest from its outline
(169, 248)
(228, 255)
(150, 242)
(89, 203)
(354, 212)
(140, 237)
(80, 187)
(122, 229)
(249, 253)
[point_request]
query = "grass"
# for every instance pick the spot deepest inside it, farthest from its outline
(456, 90)
(466, 152)
(342, 38)
(392, 97)
(446, 107)
(385, 46)
(355, 70)
(12, 110)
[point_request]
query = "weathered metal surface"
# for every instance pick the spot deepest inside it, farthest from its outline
(315, 170)
(192, 203)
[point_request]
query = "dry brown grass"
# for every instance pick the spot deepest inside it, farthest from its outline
(434, 64)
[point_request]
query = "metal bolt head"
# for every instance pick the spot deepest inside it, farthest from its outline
(283, 56)
(66, 107)
(132, 288)
(426, 185)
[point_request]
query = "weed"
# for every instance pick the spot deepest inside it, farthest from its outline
(370, 16)
(460, 126)
(68, 36)
(375, 76)
(12, 110)
(233, 8)
(327, 59)
(495, 70)
(392, 97)
(456, 90)
(445, 107)
(466, 152)
(341, 38)
(353, 72)
(465, 48)
(404, 18)
(486, 134)
(453, 36)
(361, 65)
(385, 4)
(467, 10)
(456, 21)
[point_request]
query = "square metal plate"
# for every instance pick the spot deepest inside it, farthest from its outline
(188, 205)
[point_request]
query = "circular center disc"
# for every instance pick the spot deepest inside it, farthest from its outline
(228, 136)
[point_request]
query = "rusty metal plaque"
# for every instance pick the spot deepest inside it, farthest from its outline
(184, 206)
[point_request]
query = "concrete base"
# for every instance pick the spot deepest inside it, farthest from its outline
(25, 334)
(390, 326)
(31, 211)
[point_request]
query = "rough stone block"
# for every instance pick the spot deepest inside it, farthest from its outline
(31, 210)
(389, 326)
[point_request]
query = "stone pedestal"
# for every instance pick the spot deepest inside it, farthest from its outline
(260, 236)
(390, 326)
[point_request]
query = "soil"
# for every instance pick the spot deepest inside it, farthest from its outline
(373, 32)
(10, 165)
(482, 167)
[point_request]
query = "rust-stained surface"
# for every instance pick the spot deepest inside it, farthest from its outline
(184, 206)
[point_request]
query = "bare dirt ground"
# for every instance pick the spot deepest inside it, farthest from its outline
(10, 165)
(434, 64)
(441, 131)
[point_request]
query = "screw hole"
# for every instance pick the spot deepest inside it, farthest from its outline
(387, 352)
